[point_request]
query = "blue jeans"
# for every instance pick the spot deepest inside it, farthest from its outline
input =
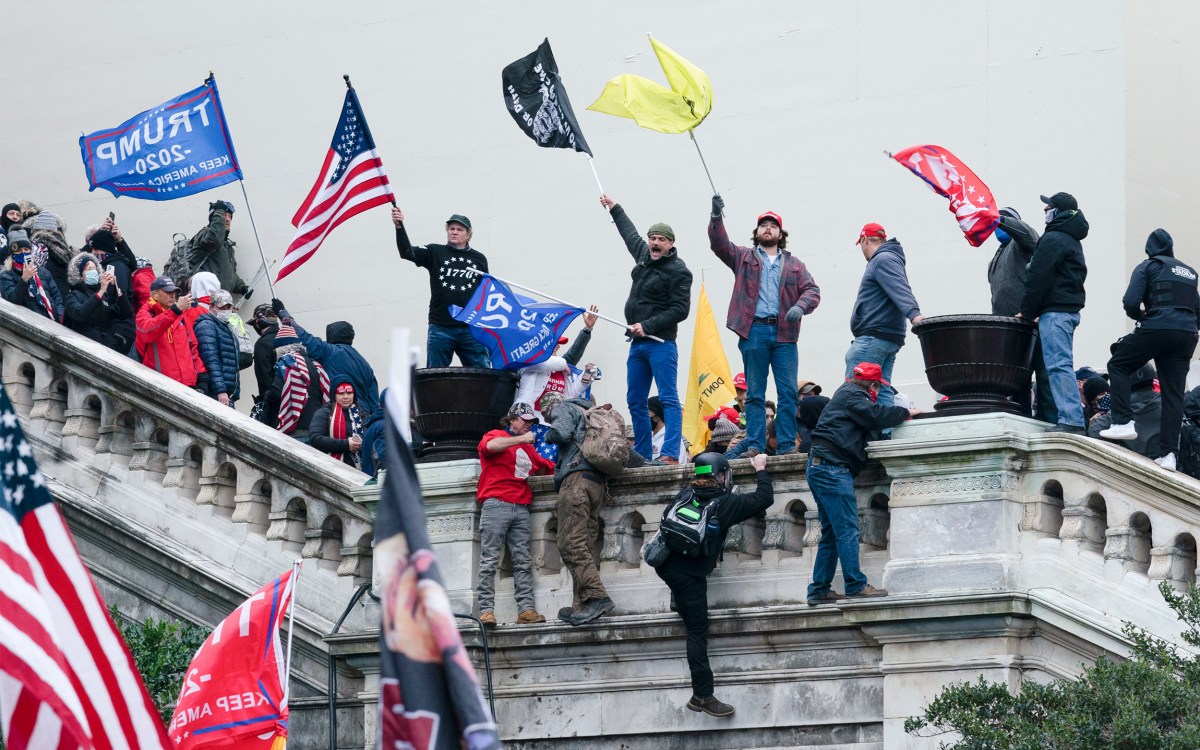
(878, 352)
(661, 361)
(760, 352)
(443, 342)
(833, 488)
(1057, 333)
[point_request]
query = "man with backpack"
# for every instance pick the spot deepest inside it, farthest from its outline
(694, 528)
(582, 486)
(210, 250)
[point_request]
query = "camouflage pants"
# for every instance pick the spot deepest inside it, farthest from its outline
(579, 502)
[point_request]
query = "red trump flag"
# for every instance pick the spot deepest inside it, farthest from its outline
(970, 200)
(235, 690)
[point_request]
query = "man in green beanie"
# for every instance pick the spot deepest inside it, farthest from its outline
(659, 300)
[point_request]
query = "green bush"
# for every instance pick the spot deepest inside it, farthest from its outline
(1150, 701)
(162, 650)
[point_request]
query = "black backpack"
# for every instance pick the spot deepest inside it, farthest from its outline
(690, 527)
(1189, 449)
(184, 262)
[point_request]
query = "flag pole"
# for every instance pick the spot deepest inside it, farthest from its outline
(560, 301)
(692, 135)
(595, 174)
(287, 668)
(346, 78)
(261, 254)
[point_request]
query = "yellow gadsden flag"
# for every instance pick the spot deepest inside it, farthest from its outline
(710, 384)
(668, 110)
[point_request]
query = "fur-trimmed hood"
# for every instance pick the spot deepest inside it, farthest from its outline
(75, 267)
(54, 241)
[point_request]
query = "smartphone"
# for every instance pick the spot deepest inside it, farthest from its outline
(110, 269)
(112, 216)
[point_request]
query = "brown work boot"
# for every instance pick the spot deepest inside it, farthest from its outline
(867, 592)
(529, 617)
(668, 460)
(488, 619)
(710, 706)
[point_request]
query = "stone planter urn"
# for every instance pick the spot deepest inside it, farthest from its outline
(454, 406)
(983, 363)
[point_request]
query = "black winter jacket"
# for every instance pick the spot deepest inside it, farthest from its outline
(1006, 272)
(1189, 436)
(1146, 406)
(661, 295)
(16, 290)
(318, 434)
(849, 420)
(1162, 292)
(218, 254)
(1054, 280)
(107, 319)
(219, 351)
(264, 358)
(733, 508)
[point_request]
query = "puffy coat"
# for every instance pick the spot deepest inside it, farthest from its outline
(16, 290)
(168, 344)
(1054, 281)
(264, 358)
(318, 429)
(107, 319)
(219, 352)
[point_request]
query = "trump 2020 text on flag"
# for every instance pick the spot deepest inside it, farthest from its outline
(234, 691)
(181, 147)
(352, 180)
(517, 331)
(971, 201)
(66, 677)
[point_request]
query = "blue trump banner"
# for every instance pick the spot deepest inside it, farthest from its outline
(181, 147)
(517, 331)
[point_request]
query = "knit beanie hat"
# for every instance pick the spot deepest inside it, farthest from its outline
(724, 431)
(6, 222)
(1093, 388)
(104, 241)
(662, 228)
(286, 336)
(49, 221)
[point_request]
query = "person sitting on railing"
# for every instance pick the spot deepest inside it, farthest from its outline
(337, 355)
(96, 306)
(219, 349)
(301, 387)
(337, 427)
(24, 283)
(166, 340)
(1145, 415)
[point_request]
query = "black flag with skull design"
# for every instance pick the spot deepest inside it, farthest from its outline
(535, 97)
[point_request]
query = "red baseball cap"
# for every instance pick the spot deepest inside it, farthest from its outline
(872, 230)
(739, 381)
(869, 371)
(728, 412)
(773, 217)
(562, 340)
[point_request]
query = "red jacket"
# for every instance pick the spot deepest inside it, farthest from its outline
(502, 475)
(167, 343)
(795, 285)
(140, 281)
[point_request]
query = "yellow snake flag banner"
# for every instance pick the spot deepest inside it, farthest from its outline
(710, 384)
(677, 109)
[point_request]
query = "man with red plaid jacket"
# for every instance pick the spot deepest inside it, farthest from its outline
(772, 292)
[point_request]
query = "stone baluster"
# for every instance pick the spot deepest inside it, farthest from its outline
(356, 551)
(1173, 563)
(19, 380)
(1083, 525)
(783, 534)
(746, 537)
(49, 396)
(812, 528)
(252, 501)
(623, 541)
(545, 543)
(148, 453)
(82, 420)
(289, 514)
(323, 535)
(183, 468)
(873, 523)
(1130, 545)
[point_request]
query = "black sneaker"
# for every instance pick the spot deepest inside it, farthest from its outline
(829, 597)
(710, 706)
(592, 610)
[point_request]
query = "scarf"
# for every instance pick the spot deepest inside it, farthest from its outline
(342, 425)
(295, 390)
(37, 291)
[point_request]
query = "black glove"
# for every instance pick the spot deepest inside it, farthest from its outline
(246, 294)
(220, 206)
(277, 306)
(718, 206)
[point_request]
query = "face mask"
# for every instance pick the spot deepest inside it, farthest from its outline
(19, 259)
(1002, 236)
(223, 315)
(91, 278)
(1051, 212)
(1104, 404)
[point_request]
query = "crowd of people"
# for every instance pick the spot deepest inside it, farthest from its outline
(321, 391)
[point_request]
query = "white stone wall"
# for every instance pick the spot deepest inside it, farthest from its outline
(1035, 97)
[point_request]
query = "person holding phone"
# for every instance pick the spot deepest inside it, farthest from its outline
(96, 306)
(27, 285)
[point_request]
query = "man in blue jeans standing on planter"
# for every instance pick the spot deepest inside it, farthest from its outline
(839, 450)
(659, 301)
(1053, 298)
(772, 292)
(452, 280)
(885, 301)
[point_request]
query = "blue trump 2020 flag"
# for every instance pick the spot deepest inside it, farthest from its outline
(181, 147)
(517, 331)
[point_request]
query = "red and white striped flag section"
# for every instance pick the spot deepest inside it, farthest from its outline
(351, 181)
(971, 201)
(234, 693)
(67, 679)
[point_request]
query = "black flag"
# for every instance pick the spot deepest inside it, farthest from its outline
(429, 696)
(535, 97)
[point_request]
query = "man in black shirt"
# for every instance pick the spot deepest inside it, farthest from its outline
(452, 281)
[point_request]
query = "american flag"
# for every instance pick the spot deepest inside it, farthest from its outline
(351, 181)
(66, 677)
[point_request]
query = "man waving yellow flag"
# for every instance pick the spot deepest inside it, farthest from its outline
(710, 384)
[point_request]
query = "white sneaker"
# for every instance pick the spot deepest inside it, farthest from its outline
(1167, 462)
(1120, 432)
